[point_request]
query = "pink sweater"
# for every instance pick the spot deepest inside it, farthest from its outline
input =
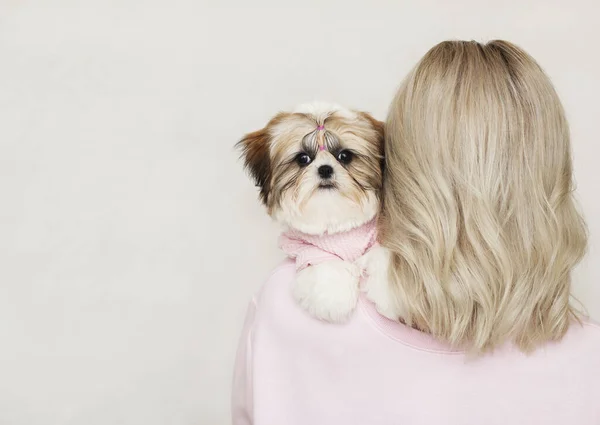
(292, 369)
(314, 249)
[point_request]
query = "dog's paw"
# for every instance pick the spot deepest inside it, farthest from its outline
(328, 291)
(375, 265)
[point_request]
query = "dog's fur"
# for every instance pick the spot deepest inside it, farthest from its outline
(284, 158)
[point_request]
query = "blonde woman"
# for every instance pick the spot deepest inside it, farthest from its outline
(470, 322)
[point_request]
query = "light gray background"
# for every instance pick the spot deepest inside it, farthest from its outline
(131, 240)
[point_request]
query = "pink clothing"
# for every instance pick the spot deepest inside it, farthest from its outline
(314, 249)
(292, 369)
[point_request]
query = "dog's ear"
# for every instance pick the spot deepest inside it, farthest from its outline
(378, 126)
(255, 152)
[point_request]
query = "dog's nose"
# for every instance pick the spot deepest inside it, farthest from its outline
(325, 171)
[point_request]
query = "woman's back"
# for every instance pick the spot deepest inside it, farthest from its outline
(295, 370)
(479, 233)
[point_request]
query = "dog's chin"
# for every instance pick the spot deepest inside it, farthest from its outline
(327, 211)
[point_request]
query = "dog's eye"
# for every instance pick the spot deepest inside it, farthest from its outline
(303, 159)
(345, 156)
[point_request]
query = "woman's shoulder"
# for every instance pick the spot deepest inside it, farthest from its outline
(277, 312)
(592, 324)
(277, 285)
(281, 275)
(285, 270)
(588, 329)
(582, 341)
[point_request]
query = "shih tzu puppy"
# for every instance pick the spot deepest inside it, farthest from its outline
(319, 170)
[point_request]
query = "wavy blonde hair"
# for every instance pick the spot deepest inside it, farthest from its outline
(478, 211)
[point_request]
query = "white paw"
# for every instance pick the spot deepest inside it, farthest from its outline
(329, 291)
(375, 265)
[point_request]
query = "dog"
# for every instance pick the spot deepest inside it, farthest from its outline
(319, 170)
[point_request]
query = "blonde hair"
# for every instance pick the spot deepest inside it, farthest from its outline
(478, 211)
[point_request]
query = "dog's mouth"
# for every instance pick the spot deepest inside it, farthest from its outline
(327, 186)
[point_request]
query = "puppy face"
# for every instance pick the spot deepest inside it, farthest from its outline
(319, 168)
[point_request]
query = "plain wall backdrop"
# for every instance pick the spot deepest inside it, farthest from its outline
(130, 238)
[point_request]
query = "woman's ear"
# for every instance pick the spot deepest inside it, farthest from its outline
(255, 151)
